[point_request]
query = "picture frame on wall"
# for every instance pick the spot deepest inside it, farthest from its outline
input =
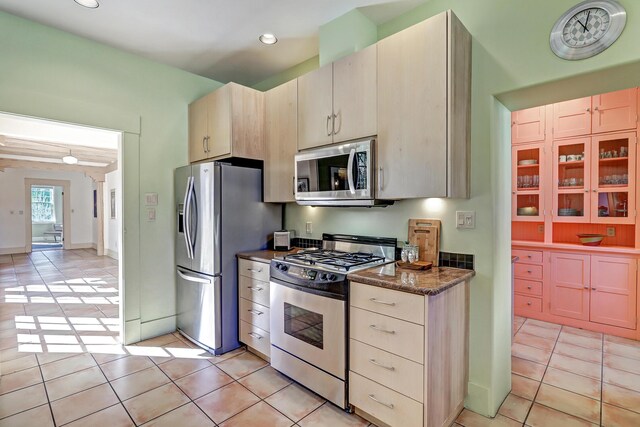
(113, 204)
(303, 185)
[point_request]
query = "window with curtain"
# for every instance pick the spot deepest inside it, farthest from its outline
(42, 205)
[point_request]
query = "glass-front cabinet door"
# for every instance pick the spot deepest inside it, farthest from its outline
(613, 178)
(571, 180)
(527, 182)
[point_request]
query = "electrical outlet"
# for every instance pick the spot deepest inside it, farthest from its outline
(466, 219)
(540, 228)
(309, 227)
(611, 231)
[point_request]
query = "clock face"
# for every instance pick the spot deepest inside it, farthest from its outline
(586, 27)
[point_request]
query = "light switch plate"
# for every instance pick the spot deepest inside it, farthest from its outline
(465, 219)
(611, 231)
(309, 227)
(151, 199)
(151, 214)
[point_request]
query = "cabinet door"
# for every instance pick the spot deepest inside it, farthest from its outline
(355, 95)
(613, 178)
(572, 118)
(613, 291)
(571, 180)
(198, 130)
(219, 118)
(528, 181)
(615, 111)
(569, 290)
(247, 122)
(315, 108)
(412, 111)
(528, 125)
(281, 110)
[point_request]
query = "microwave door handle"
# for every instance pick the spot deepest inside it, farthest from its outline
(185, 217)
(352, 155)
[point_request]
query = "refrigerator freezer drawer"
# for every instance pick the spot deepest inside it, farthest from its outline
(198, 298)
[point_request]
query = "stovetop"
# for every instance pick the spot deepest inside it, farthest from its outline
(333, 260)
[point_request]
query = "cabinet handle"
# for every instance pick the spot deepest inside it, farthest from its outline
(388, 368)
(293, 187)
(254, 270)
(254, 288)
(328, 120)
(377, 301)
(388, 405)
(208, 149)
(254, 335)
(204, 146)
(335, 132)
(375, 328)
(380, 178)
(256, 312)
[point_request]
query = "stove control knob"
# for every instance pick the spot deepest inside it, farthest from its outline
(332, 277)
(323, 276)
(284, 267)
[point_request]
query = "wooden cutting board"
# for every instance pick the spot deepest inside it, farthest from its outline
(425, 233)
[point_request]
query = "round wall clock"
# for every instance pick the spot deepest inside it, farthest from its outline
(587, 29)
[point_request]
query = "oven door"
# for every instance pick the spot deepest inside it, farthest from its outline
(335, 174)
(310, 327)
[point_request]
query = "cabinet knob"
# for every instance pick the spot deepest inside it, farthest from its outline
(529, 303)
(513, 192)
(586, 287)
(528, 287)
(588, 110)
(529, 256)
(595, 108)
(593, 289)
(595, 191)
(529, 271)
(586, 191)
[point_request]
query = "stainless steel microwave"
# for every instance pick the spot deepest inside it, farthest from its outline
(337, 175)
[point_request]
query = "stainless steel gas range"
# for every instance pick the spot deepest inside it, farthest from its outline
(309, 301)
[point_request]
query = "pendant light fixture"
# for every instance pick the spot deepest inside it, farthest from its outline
(70, 160)
(91, 4)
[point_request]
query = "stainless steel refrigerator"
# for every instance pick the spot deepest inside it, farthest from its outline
(219, 213)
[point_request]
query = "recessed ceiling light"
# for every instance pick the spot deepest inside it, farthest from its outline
(91, 4)
(268, 38)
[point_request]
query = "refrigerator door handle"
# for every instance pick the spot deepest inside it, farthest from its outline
(185, 218)
(194, 279)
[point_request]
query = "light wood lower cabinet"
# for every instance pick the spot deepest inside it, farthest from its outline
(408, 372)
(253, 305)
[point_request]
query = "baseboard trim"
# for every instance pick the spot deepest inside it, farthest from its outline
(131, 332)
(157, 327)
(94, 246)
(111, 253)
(12, 251)
(81, 246)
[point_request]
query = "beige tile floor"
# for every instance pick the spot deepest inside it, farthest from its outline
(63, 365)
(563, 376)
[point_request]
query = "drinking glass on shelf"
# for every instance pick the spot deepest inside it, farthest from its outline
(404, 254)
(536, 180)
(412, 254)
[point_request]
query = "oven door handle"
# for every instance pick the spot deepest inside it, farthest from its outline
(352, 155)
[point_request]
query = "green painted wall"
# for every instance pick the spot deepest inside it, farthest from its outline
(289, 74)
(345, 35)
(512, 63)
(51, 74)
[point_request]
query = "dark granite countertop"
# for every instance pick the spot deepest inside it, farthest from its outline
(429, 282)
(265, 255)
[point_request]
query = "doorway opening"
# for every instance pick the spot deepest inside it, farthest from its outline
(47, 217)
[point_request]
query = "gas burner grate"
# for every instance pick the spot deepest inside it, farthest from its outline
(336, 259)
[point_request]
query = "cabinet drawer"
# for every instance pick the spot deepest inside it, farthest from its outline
(396, 336)
(528, 287)
(527, 303)
(254, 269)
(528, 257)
(400, 305)
(254, 290)
(255, 314)
(255, 338)
(394, 372)
(528, 271)
(385, 404)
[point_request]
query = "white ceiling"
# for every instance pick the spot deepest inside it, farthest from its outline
(213, 38)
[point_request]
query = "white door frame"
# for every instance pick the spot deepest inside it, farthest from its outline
(66, 209)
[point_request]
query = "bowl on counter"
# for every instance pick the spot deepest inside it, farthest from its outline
(528, 211)
(591, 239)
(568, 212)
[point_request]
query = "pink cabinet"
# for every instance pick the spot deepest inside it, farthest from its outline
(528, 125)
(613, 291)
(572, 118)
(614, 111)
(527, 182)
(571, 179)
(569, 286)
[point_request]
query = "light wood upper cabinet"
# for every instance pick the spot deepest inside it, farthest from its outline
(355, 95)
(281, 137)
(228, 122)
(337, 102)
(424, 80)
(315, 108)
(528, 125)
(572, 118)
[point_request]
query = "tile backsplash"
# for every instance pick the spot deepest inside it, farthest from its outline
(300, 242)
(451, 259)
